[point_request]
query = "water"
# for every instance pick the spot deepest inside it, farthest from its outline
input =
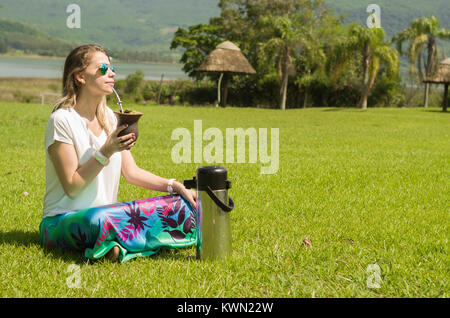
(53, 68)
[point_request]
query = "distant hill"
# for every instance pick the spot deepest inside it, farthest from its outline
(148, 25)
(24, 38)
(19, 39)
(395, 14)
(116, 24)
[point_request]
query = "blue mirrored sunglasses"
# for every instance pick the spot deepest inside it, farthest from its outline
(104, 68)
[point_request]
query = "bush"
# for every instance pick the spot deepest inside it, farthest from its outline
(133, 87)
(387, 92)
(149, 92)
(198, 93)
(251, 91)
(3, 46)
(24, 97)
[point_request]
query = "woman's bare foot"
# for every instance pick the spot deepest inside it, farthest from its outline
(113, 254)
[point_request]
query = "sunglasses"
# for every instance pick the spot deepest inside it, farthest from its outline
(104, 68)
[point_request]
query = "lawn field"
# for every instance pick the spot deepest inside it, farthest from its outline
(369, 188)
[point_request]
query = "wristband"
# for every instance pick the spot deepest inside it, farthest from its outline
(169, 186)
(104, 161)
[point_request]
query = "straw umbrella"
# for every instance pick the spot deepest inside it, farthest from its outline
(226, 59)
(441, 76)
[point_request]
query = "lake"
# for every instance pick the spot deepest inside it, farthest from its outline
(53, 68)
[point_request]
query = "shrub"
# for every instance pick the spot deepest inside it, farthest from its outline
(387, 92)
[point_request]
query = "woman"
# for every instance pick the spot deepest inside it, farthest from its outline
(84, 160)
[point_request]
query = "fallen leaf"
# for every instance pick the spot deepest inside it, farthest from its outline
(307, 242)
(349, 240)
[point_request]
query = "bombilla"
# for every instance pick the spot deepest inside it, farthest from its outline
(118, 100)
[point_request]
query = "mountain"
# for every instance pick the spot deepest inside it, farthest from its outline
(24, 38)
(396, 15)
(149, 24)
(116, 24)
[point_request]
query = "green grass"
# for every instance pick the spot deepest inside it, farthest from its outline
(367, 187)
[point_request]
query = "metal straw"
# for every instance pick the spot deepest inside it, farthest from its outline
(118, 100)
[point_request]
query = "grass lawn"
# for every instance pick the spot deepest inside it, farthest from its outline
(367, 187)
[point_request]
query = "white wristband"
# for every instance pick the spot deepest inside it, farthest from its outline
(169, 186)
(101, 158)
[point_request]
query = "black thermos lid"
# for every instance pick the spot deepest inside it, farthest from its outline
(213, 176)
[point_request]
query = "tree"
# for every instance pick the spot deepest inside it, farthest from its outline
(285, 36)
(273, 34)
(421, 35)
(239, 21)
(3, 45)
(198, 41)
(374, 52)
(134, 85)
(322, 32)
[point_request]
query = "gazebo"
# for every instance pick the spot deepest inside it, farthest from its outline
(226, 59)
(441, 76)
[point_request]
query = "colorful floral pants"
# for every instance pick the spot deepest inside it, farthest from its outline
(138, 228)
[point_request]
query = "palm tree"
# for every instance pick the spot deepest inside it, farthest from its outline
(310, 64)
(318, 42)
(422, 34)
(284, 38)
(370, 45)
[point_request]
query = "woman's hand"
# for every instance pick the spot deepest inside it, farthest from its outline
(115, 144)
(189, 194)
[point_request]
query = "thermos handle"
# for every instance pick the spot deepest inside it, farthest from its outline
(190, 184)
(225, 207)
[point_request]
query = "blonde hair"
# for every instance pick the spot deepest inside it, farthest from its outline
(77, 61)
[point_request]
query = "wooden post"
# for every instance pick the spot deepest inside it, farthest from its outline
(445, 104)
(160, 87)
(225, 90)
(427, 92)
(218, 90)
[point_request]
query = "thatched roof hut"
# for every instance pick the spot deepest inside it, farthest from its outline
(441, 76)
(226, 59)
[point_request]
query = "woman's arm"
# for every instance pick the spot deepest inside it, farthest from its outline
(140, 177)
(145, 179)
(65, 160)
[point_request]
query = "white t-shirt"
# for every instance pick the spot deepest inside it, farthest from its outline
(66, 125)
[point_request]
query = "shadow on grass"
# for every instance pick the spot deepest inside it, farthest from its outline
(435, 111)
(176, 254)
(344, 109)
(332, 109)
(20, 238)
(32, 239)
